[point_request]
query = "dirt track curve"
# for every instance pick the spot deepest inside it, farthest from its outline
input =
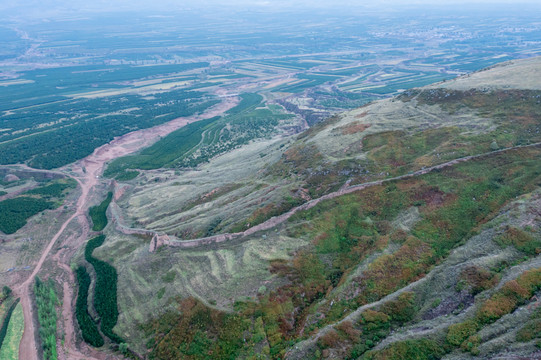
(276, 220)
(87, 173)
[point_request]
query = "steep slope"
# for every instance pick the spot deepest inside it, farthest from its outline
(427, 240)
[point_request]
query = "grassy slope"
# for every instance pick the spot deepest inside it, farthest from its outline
(357, 248)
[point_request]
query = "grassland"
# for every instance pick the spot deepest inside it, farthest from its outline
(7, 306)
(10, 345)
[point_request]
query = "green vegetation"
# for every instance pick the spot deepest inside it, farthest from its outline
(422, 349)
(127, 175)
(54, 190)
(307, 81)
(452, 202)
(268, 211)
(46, 301)
(98, 213)
(510, 296)
(6, 320)
(105, 291)
(345, 231)
(521, 240)
(14, 333)
(532, 329)
(197, 332)
(504, 301)
(477, 279)
(44, 136)
(198, 142)
(373, 326)
(458, 333)
(163, 153)
(6, 292)
(87, 325)
(14, 212)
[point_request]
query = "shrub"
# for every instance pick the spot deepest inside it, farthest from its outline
(422, 349)
(530, 331)
(495, 307)
(478, 279)
(374, 319)
(347, 328)
(199, 332)
(402, 309)
(6, 292)
(520, 240)
(471, 344)
(329, 340)
(457, 333)
(512, 294)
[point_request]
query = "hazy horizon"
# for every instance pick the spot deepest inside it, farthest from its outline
(34, 8)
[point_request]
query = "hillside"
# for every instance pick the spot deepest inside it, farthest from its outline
(408, 228)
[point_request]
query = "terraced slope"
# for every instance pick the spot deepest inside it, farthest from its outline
(435, 262)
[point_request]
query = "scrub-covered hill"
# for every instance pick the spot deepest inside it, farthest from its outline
(408, 228)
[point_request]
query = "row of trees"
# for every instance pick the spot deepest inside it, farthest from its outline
(105, 291)
(90, 332)
(46, 301)
(70, 140)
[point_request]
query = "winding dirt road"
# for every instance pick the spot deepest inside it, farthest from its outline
(276, 220)
(87, 173)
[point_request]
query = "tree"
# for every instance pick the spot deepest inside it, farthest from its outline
(6, 291)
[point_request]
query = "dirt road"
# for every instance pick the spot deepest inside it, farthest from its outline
(87, 172)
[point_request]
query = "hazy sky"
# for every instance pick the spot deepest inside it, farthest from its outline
(44, 8)
(111, 4)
